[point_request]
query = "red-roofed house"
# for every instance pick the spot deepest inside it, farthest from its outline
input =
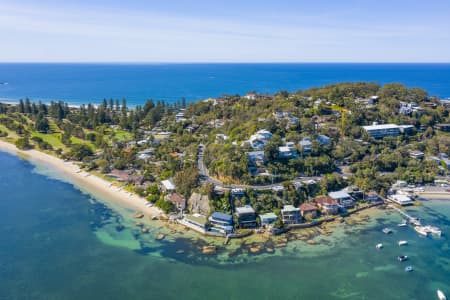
(308, 210)
(178, 200)
(327, 205)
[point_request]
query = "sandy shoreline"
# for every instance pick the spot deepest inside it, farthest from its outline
(94, 185)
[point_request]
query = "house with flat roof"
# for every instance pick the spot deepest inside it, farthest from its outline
(268, 219)
(382, 130)
(246, 216)
(306, 145)
(167, 185)
(327, 205)
(291, 215)
(221, 222)
(308, 210)
(343, 198)
(416, 154)
(401, 199)
(286, 152)
(196, 222)
(442, 127)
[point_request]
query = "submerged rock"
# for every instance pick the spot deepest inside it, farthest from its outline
(144, 230)
(138, 215)
(209, 249)
(160, 236)
(311, 242)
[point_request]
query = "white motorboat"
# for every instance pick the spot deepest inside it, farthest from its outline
(420, 230)
(441, 295)
(402, 243)
(403, 224)
(379, 246)
(387, 230)
(433, 230)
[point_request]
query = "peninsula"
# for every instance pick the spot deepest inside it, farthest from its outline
(230, 165)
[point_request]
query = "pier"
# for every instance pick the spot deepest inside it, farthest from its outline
(410, 218)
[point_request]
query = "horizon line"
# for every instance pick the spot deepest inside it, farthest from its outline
(217, 62)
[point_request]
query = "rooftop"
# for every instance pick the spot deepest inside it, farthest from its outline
(288, 208)
(222, 216)
(268, 216)
(381, 127)
(339, 195)
(245, 210)
(307, 206)
(197, 218)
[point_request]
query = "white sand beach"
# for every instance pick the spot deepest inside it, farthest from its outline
(87, 181)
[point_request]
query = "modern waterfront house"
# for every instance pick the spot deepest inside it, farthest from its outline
(196, 222)
(221, 222)
(343, 198)
(290, 215)
(267, 219)
(371, 196)
(327, 205)
(401, 199)
(246, 216)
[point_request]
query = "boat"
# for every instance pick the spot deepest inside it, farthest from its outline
(441, 295)
(387, 230)
(403, 223)
(420, 230)
(402, 243)
(415, 221)
(379, 246)
(433, 230)
(402, 258)
(408, 269)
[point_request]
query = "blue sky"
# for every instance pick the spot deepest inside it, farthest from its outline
(225, 31)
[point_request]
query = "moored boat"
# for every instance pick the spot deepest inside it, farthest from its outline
(420, 230)
(402, 243)
(402, 258)
(441, 295)
(403, 223)
(408, 269)
(433, 230)
(379, 246)
(387, 230)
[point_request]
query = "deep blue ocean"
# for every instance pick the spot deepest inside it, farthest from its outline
(82, 83)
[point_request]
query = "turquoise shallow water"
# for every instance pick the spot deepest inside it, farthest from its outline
(58, 243)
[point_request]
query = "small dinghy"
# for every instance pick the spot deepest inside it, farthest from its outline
(441, 295)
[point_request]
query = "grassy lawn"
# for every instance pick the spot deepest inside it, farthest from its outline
(53, 139)
(122, 134)
(76, 140)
